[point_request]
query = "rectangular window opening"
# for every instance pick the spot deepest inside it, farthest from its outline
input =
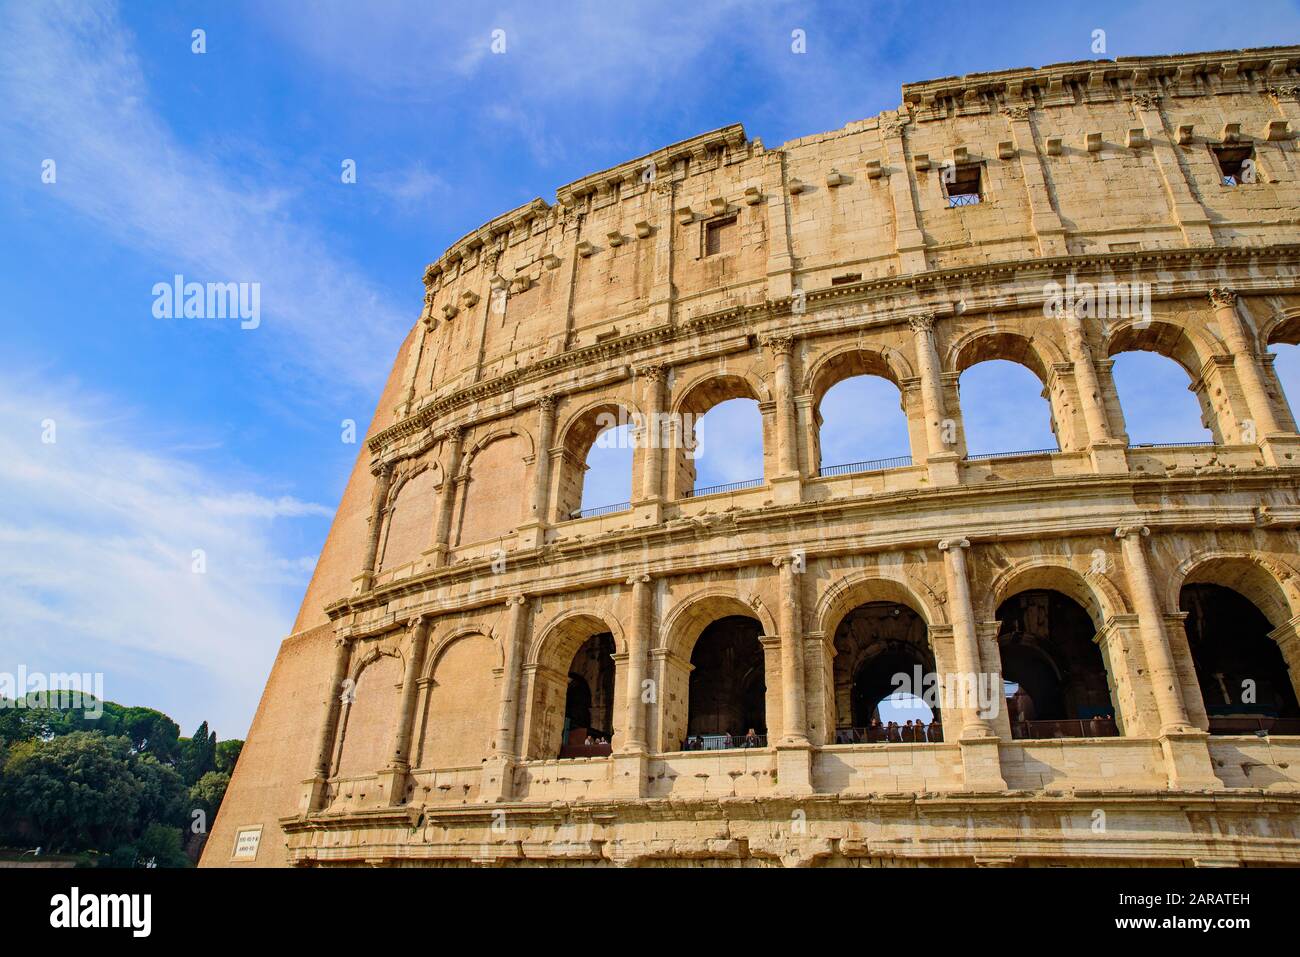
(963, 185)
(720, 236)
(1236, 164)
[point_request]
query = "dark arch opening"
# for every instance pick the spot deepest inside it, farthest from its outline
(1244, 681)
(589, 699)
(1053, 669)
(728, 689)
(883, 667)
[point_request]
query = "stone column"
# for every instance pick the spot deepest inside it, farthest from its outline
(786, 483)
(1287, 637)
(980, 756)
(1146, 601)
(793, 706)
(1185, 747)
(532, 533)
(793, 752)
(447, 498)
(941, 460)
(1107, 455)
(314, 798)
(653, 445)
(638, 648)
(1188, 212)
(378, 508)
(498, 772)
(399, 767)
(632, 757)
(965, 638)
(1245, 363)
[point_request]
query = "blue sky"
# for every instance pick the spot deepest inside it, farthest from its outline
(177, 435)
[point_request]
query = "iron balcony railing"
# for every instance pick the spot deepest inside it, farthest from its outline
(1008, 455)
(1169, 445)
(723, 742)
(963, 199)
(1065, 728)
(875, 465)
(718, 489)
(1261, 724)
(891, 734)
(600, 510)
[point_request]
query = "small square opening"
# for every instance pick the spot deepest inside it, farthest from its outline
(963, 185)
(720, 236)
(1236, 164)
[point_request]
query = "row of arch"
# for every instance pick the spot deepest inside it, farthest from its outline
(720, 427)
(716, 656)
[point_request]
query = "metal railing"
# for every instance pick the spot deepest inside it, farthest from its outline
(875, 465)
(1170, 445)
(723, 742)
(963, 199)
(1065, 728)
(891, 734)
(718, 489)
(600, 510)
(1254, 725)
(1007, 455)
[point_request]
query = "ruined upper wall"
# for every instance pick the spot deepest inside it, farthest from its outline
(1077, 158)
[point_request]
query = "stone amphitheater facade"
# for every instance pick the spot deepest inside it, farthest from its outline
(417, 713)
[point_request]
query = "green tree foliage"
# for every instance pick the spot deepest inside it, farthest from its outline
(228, 754)
(198, 755)
(86, 791)
(104, 779)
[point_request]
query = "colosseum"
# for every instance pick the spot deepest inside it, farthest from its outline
(486, 672)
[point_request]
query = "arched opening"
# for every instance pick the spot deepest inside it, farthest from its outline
(589, 700)
(1284, 367)
(727, 698)
(1054, 672)
(1244, 681)
(1004, 410)
(596, 467)
(884, 673)
(862, 426)
(1158, 409)
(1154, 366)
(722, 442)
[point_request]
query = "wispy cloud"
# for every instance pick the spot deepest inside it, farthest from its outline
(74, 91)
(136, 564)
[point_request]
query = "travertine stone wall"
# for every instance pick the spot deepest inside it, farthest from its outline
(717, 268)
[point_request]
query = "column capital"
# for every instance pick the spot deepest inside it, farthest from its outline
(516, 600)
(454, 433)
(1222, 297)
(1146, 101)
(1015, 112)
(956, 541)
(779, 344)
(1124, 531)
(546, 402)
(922, 322)
(654, 372)
(639, 580)
(417, 621)
(780, 561)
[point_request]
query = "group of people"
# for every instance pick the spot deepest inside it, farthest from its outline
(750, 740)
(601, 739)
(877, 732)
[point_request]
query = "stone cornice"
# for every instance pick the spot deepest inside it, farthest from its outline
(801, 517)
(1135, 72)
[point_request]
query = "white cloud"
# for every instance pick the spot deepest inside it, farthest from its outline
(97, 549)
(74, 91)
